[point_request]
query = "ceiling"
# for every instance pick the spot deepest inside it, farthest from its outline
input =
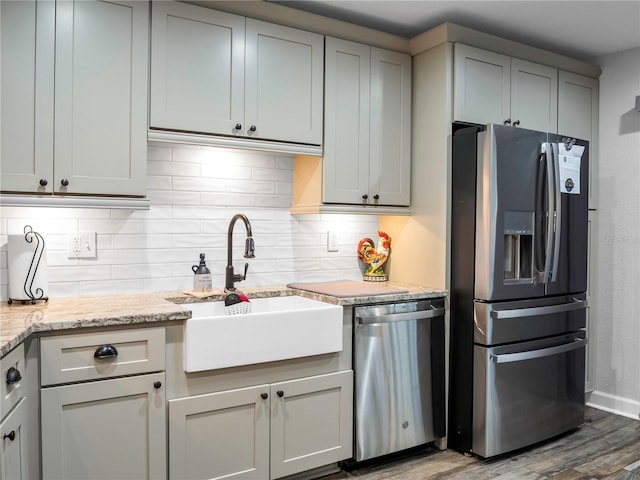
(581, 29)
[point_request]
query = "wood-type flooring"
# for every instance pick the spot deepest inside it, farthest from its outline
(605, 447)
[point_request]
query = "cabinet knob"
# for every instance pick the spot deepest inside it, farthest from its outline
(64, 182)
(252, 128)
(11, 435)
(507, 121)
(516, 123)
(13, 376)
(365, 196)
(105, 351)
(280, 393)
(376, 197)
(264, 396)
(238, 126)
(43, 182)
(157, 385)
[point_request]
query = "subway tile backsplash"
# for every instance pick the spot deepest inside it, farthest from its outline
(194, 192)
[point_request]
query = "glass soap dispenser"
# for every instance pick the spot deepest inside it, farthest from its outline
(202, 277)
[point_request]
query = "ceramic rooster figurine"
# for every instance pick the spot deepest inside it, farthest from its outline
(375, 257)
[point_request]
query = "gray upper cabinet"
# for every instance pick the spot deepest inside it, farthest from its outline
(578, 117)
(94, 141)
(494, 88)
(26, 84)
(197, 69)
(240, 78)
(367, 157)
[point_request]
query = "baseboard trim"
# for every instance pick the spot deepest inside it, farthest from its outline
(614, 404)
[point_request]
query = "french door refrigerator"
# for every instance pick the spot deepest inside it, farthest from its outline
(518, 283)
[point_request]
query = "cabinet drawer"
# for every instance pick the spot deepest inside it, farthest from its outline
(12, 383)
(73, 358)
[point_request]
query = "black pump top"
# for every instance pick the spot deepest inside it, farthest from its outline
(202, 268)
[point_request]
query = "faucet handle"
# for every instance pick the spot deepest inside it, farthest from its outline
(246, 267)
(239, 277)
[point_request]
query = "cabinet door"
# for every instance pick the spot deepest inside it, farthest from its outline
(197, 69)
(481, 86)
(346, 124)
(390, 145)
(13, 448)
(311, 422)
(220, 435)
(534, 96)
(26, 85)
(111, 429)
(578, 117)
(101, 97)
(283, 83)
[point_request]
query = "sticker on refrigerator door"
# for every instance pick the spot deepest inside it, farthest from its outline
(569, 167)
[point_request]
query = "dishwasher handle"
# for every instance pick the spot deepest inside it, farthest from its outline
(400, 317)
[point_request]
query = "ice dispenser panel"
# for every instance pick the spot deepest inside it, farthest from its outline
(518, 246)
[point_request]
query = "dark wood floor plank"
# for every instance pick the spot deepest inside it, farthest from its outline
(612, 461)
(605, 447)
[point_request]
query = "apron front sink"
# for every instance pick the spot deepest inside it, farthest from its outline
(277, 328)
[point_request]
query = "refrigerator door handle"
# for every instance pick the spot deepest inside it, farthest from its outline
(557, 214)
(575, 304)
(533, 354)
(400, 317)
(547, 150)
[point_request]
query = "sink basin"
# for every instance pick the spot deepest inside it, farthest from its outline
(277, 328)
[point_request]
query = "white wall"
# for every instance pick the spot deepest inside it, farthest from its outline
(617, 372)
(194, 193)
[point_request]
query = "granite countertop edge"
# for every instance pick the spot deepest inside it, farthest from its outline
(18, 321)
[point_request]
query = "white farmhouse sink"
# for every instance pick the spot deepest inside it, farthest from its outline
(277, 328)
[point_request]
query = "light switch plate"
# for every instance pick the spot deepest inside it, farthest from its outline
(332, 241)
(82, 245)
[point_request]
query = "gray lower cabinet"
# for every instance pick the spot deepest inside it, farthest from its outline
(19, 450)
(110, 429)
(103, 404)
(263, 431)
(13, 449)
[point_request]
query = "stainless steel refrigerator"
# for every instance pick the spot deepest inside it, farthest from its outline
(518, 282)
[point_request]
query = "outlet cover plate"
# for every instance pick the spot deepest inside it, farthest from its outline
(82, 245)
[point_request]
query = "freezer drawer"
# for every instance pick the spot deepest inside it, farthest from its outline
(506, 322)
(527, 392)
(399, 376)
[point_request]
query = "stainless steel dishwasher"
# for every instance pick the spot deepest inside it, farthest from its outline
(399, 365)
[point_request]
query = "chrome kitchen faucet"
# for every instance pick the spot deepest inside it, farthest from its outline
(249, 250)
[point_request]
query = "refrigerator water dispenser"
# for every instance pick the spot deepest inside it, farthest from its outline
(518, 246)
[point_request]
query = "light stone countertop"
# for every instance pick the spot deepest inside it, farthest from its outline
(19, 320)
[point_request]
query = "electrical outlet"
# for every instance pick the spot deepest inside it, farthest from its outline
(332, 241)
(82, 245)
